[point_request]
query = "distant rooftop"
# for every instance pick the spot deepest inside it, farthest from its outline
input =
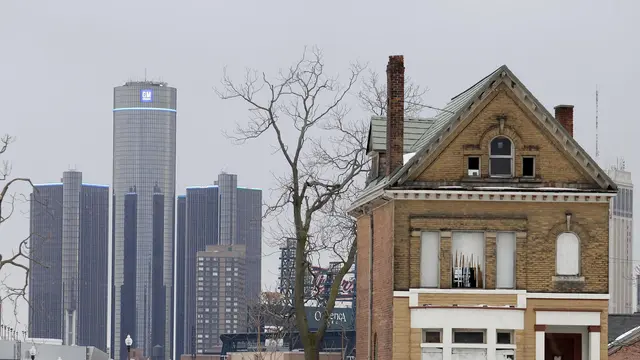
(146, 83)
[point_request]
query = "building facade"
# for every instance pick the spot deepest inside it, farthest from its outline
(622, 286)
(181, 211)
(202, 229)
(144, 157)
(68, 283)
(221, 303)
(488, 238)
(249, 233)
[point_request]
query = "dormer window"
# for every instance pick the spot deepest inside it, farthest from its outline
(501, 157)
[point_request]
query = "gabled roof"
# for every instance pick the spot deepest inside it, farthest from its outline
(461, 106)
(414, 128)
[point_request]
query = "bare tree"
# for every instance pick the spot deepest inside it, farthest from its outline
(272, 319)
(304, 111)
(19, 259)
(373, 96)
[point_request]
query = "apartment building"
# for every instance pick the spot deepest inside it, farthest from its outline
(221, 303)
(486, 237)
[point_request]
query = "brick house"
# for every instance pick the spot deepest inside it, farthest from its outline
(482, 233)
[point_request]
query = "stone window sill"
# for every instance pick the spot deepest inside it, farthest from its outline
(568, 278)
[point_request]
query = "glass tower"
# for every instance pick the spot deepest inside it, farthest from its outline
(144, 158)
(68, 279)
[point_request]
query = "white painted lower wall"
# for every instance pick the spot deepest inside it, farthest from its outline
(447, 319)
(465, 318)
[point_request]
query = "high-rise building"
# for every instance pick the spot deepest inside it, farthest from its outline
(621, 273)
(249, 233)
(68, 283)
(220, 214)
(202, 229)
(144, 158)
(181, 210)
(221, 302)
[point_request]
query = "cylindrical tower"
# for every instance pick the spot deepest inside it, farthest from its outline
(144, 155)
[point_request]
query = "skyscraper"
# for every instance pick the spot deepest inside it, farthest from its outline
(202, 229)
(180, 285)
(68, 280)
(621, 249)
(249, 233)
(144, 158)
(220, 214)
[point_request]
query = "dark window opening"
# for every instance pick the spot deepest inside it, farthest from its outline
(433, 337)
(468, 337)
(500, 167)
(528, 166)
(501, 157)
(473, 166)
(504, 338)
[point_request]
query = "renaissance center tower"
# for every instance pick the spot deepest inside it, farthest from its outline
(144, 175)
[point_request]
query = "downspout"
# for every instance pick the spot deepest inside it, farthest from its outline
(370, 283)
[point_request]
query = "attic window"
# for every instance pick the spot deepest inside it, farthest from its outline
(501, 157)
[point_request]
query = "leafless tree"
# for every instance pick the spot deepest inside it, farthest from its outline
(19, 258)
(272, 319)
(373, 96)
(304, 111)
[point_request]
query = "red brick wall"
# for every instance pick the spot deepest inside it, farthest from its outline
(362, 287)
(383, 279)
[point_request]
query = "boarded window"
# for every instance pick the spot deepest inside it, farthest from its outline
(506, 253)
(568, 254)
(430, 259)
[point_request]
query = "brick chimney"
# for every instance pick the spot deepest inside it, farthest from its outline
(564, 114)
(395, 113)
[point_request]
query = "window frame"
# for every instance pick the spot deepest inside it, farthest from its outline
(533, 158)
(479, 165)
(454, 331)
(511, 156)
(579, 255)
(424, 333)
(511, 334)
(484, 257)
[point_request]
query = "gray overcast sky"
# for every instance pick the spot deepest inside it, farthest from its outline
(59, 62)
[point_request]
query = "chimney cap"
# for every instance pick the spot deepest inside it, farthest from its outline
(563, 106)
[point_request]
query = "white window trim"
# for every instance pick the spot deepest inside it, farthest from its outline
(512, 156)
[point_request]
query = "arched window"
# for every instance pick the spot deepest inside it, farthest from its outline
(568, 254)
(501, 157)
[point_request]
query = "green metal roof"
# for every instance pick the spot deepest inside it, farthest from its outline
(414, 128)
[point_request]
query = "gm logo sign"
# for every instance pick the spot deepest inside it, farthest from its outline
(146, 95)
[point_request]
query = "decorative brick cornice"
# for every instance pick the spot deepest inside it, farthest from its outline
(594, 329)
(541, 327)
(501, 195)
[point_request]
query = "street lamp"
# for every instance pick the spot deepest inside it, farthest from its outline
(128, 341)
(33, 352)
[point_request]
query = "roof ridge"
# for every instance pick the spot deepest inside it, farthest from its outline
(478, 82)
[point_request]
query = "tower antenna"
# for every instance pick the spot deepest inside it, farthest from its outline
(145, 74)
(597, 148)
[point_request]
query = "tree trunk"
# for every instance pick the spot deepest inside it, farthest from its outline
(312, 352)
